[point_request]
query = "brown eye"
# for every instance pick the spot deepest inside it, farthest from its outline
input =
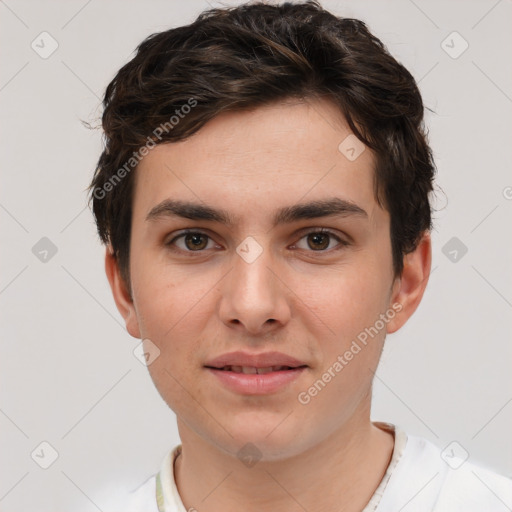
(318, 241)
(195, 241)
(191, 241)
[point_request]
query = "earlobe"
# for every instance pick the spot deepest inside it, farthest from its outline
(122, 298)
(408, 289)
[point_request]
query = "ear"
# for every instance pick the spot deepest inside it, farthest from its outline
(122, 297)
(408, 289)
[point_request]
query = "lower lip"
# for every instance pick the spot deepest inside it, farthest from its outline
(254, 383)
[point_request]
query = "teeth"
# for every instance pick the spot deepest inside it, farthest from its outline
(253, 370)
(262, 371)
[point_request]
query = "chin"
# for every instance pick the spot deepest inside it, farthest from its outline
(275, 435)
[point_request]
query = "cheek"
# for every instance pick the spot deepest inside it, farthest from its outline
(346, 301)
(167, 296)
(173, 309)
(351, 307)
(174, 323)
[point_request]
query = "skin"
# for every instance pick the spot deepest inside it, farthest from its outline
(300, 296)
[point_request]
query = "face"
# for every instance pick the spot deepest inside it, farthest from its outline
(245, 266)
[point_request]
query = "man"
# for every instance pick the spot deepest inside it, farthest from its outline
(264, 198)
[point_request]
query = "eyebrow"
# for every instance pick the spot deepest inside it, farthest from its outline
(311, 210)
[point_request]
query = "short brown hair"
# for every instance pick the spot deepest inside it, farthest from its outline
(241, 57)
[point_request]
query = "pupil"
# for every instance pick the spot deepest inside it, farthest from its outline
(197, 241)
(317, 239)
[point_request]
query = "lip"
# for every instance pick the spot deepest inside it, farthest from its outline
(257, 384)
(262, 360)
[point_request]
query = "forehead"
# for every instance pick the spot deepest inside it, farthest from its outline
(256, 160)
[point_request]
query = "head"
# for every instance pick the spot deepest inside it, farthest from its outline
(254, 128)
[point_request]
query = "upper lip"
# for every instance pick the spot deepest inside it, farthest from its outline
(263, 360)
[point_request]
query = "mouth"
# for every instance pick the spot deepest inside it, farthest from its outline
(251, 380)
(248, 370)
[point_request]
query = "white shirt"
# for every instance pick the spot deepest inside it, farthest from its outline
(420, 478)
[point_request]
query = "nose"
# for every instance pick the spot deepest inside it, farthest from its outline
(253, 300)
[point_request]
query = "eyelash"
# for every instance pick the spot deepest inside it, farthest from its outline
(342, 243)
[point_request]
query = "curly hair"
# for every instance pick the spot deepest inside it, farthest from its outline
(236, 58)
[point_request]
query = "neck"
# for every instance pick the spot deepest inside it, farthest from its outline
(340, 474)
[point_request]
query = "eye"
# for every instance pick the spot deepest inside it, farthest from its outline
(317, 240)
(320, 240)
(191, 241)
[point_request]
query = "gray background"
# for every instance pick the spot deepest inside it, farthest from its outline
(69, 376)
